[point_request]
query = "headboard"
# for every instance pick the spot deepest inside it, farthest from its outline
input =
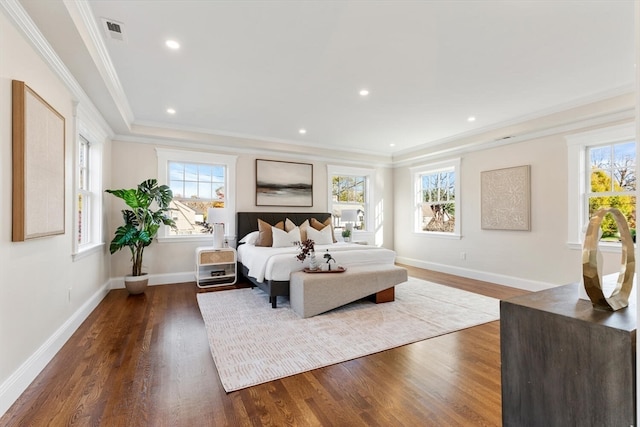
(248, 221)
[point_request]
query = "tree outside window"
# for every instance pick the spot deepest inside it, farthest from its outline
(612, 181)
(349, 193)
(438, 201)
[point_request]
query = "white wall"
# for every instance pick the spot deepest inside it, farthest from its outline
(534, 259)
(36, 313)
(134, 162)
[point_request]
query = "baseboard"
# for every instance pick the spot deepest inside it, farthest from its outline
(500, 279)
(158, 279)
(16, 384)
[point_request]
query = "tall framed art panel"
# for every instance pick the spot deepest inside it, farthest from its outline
(506, 199)
(38, 166)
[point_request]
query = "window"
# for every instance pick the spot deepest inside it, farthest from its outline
(612, 184)
(84, 193)
(437, 198)
(601, 171)
(87, 209)
(199, 182)
(351, 197)
(196, 187)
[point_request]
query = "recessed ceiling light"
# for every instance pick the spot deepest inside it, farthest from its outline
(392, 145)
(471, 119)
(302, 131)
(171, 111)
(364, 92)
(172, 44)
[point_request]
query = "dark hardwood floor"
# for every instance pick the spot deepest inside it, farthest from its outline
(145, 361)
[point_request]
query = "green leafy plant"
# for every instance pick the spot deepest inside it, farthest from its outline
(346, 233)
(141, 222)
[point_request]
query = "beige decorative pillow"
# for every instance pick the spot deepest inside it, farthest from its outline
(289, 225)
(265, 237)
(320, 225)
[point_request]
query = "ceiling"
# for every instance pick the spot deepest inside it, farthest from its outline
(266, 69)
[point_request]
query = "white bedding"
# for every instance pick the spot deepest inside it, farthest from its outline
(265, 263)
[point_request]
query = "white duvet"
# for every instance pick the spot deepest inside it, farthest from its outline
(265, 263)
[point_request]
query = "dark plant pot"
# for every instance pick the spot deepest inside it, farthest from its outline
(136, 284)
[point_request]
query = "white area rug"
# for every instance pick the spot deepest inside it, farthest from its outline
(252, 343)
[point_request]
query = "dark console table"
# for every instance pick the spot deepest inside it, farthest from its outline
(566, 364)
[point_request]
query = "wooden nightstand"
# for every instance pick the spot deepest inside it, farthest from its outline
(215, 267)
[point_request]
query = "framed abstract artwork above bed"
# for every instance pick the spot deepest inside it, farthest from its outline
(284, 183)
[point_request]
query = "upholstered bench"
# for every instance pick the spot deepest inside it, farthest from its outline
(315, 293)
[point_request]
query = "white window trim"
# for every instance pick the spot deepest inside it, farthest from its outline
(96, 138)
(370, 175)
(166, 155)
(416, 171)
(577, 145)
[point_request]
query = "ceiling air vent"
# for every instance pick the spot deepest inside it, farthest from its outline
(114, 29)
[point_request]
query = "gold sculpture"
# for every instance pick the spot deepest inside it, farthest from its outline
(620, 296)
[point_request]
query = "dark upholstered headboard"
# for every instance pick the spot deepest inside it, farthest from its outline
(246, 222)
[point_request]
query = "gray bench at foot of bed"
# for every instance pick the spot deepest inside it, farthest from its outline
(315, 293)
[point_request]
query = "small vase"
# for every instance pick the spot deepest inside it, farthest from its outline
(313, 263)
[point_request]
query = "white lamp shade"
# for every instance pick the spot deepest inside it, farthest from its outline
(349, 215)
(217, 217)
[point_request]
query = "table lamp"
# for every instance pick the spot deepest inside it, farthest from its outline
(216, 217)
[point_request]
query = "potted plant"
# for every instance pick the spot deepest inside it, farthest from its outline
(141, 224)
(346, 235)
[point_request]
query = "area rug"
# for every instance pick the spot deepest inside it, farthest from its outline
(252, 343)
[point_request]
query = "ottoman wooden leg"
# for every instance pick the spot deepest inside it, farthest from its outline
(387, 295)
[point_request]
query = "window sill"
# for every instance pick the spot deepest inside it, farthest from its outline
(438, 235)
(208, 238)
(87, 250)
(611, 247)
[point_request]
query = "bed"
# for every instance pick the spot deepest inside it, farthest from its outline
(269, 268)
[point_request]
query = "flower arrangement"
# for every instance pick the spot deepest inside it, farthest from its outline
(306, 248)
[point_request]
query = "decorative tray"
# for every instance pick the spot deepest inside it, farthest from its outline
(334, 270)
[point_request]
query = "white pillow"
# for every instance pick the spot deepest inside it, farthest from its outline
(283, 239)
(250, 238)
(322, 237)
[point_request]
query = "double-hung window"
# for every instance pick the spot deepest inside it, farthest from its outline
(602, 174)
(350, 197)
(612, 184)
(87, 210)
(83, 192)
(436, 190)
(203, 184)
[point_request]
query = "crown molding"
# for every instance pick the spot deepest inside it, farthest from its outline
(91, 34)
(584, 101)
(480, 144)
(23, 22)
(341, 157)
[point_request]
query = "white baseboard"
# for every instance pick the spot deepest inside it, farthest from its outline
(158, 279)
(17, 382)
(500, 279)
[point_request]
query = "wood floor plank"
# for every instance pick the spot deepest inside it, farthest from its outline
(145, 361)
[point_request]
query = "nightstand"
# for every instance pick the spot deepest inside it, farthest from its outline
(215, 267)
